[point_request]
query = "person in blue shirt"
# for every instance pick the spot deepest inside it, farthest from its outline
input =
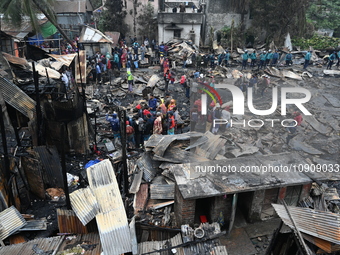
(276, 57)
(115, 125)
(307, 59)
(289, 58)
(98, 72)
(338, 57)
(263, 58)
(152, 104)
(253, 58)
(269, 57)
(245, 57)
(226, 58)
(331, 59)
(220, 59)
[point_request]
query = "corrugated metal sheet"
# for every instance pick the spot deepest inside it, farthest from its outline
(112, 221)
(90, 241)
(65, 59)
(92, 35)
(70, 7)
(10, 221)
(22, 62)
(145, 164)
(162, 191)
(16, 98)
(41, 245)
(84, 204)
(68, 222)
(114, 36)
(324, 225)
(51, 163)
(53, 74)
(158, 245)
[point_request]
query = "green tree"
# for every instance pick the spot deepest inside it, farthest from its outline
(324, 13)
(147, 22)
(112, 19)
(278, 17)
(15, 10)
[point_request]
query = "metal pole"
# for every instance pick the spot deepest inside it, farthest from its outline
(122, 118)
(63, 166)
(4, 146)
(38, 108)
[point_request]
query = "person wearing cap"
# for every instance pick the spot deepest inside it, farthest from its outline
(263, 58)
(253, 58)
(245, 57)
(157, 125)
(269, 58)
(130, 134)
(331, 59)
(289, 58)
(308, 56)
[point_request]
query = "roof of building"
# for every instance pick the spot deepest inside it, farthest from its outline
(81, 6)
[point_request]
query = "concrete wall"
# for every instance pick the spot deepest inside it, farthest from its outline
(132, 14)
(167, 35)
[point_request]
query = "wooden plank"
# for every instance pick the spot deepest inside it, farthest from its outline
(82, 57)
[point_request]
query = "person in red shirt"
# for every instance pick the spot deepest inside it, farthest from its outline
(130, 134)
(171, 123)
(298, 118)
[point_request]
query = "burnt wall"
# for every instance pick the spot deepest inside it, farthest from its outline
(184, 209)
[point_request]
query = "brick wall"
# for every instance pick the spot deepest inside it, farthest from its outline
(184, 209)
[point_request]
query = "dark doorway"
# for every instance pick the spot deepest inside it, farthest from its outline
(203, 207)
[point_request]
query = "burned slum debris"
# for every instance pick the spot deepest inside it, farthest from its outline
(94, 187)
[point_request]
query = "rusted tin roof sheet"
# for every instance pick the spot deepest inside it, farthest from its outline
(10, 221)
(69, 223)
(112, 220)
(90, 242)
(65, 59)
(84, 204)
(324, 225)
(22, 62)
(16, 98)
(37, 246)
(114, 36)
(158, 245)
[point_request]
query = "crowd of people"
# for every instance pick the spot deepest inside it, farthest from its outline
(154, 117)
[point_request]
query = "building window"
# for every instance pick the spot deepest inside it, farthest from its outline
(177, 33)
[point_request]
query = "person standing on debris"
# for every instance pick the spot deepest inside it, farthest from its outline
(245, 57)
(308, 56)
(152, 104)
(193, 58)
(135, 47)
(198, 61)
(212, 60)
(166, 65)
(331, 60)
(172, 104)
(184, 58)
(116, 62)
(130, 81)
(253, 58)
(185, 85)
(289, 58)
(269, 58)
(166, 80)
(252, 83)
(174, 10)
(143, 50)
(137, 132)
(65, 80)
(217, 114)
(276, 57)
(171, 123)
(98, 73)
(157, 125)
(115, 125)
(181, 7)
(220, 59)
(130, 135)
(123, 59)
(161, 62)
(263, 58)
(264, 84)
(298, 118)
(338, 57)
(226, 58)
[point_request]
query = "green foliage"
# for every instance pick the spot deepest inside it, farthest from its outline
(15, 10)
(276, 18)
(324, 13)
(96, 3)
(147, 21)
(317, 42)
(232, 33)
(112, 19)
